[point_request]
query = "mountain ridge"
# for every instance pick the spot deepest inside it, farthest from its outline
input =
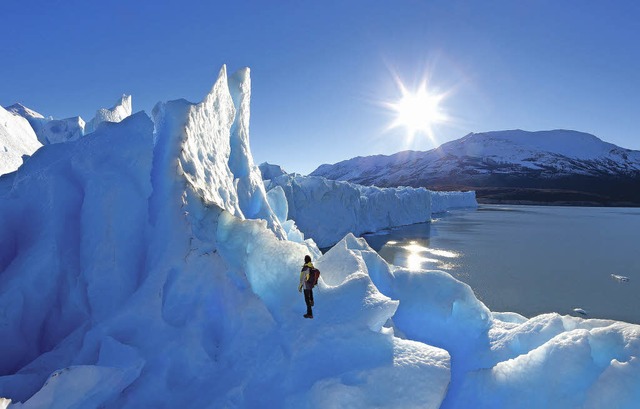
(511, 166)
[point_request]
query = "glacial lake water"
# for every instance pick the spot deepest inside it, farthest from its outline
(531, 259)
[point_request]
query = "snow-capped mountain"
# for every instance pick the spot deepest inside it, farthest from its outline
(568, 161)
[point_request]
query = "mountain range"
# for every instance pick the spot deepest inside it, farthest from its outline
(513, 166)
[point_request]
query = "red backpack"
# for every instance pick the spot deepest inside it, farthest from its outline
(314, 273)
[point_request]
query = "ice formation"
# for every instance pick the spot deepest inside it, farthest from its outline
(36, 119)
(130, 277)
(116, 113)
(248, 179)
(16, 140)
(443, 201)
(326, 210)
(270, 171)
(620, 278)
(61, 130)
(23, 111)
(49, 130)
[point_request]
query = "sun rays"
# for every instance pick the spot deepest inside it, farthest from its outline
(417, 111)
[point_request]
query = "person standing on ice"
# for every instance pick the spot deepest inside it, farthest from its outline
(308, 287)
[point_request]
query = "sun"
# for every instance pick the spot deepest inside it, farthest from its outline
(417, 111)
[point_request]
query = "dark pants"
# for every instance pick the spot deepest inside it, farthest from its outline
(308, 299)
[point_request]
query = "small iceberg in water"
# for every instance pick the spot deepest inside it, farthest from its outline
(580, 311)
(619, 278)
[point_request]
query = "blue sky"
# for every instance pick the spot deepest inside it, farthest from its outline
(322, 70)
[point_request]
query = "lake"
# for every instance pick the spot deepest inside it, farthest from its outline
(531, 259)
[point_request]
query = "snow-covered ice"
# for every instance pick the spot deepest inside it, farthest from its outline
(61, 130)
(116, 113)
(16, 140)
(270, 171)
(137, 270)
(23, 111)
(36, 119)
(49, 130)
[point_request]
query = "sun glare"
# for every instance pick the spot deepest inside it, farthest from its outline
(417, 111)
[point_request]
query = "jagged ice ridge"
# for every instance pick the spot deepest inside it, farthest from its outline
(17, 139)
(49, 130)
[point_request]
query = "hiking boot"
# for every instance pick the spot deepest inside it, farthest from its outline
(308, 316)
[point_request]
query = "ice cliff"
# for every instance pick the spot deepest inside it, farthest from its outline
(326, 210)
(131, 276)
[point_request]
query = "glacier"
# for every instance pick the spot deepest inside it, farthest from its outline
(17, 139)
(326, 210)
(49, 130)
(35, 119)
(116, 113)
(61, 130)
(145, 265)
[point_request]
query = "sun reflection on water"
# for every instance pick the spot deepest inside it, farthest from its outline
(417, 256)
(415, 262)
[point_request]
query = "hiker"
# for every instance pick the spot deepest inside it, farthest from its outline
(306, 283)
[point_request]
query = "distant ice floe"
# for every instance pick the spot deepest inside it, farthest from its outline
(619, 278)
(580, 311)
